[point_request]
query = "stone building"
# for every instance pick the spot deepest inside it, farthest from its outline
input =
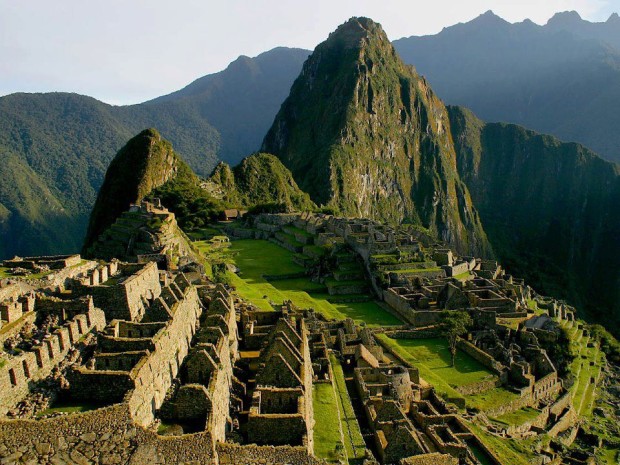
(37, 352)
(281, 409)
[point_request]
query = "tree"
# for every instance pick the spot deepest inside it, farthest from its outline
(454, 324)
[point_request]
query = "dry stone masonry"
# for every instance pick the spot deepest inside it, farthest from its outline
(148, 361)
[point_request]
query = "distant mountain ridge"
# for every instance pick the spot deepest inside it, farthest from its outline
(241, 101)
(63, 143)
(562, 78)
(608, 31)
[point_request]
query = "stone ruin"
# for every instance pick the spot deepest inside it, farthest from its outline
(419, 279)
(147, 232)
(149, 350)
(177, 369)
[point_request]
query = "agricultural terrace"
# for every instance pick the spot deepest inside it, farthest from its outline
(262, 263)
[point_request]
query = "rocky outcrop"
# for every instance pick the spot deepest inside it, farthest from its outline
(364, 133)
(143, 164)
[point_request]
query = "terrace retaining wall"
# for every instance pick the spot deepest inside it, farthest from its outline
(37, 364)
(106, 436)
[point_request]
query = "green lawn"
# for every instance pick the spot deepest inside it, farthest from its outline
(68, 407)
(608, 456)
(416, 271)
(461, 276)
(353, 439)
(7, 273)
(433, 355)
(328, 441)
(512, 323)
(256, 258)
(509, 451)
(583, 391)
(432, 358)
(317, 250)
(295, 230)
(519, 417)
(491, 398)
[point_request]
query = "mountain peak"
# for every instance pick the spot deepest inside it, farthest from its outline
(364, 134)
(565, 18)
(146, 162)
(614, 18)
(489, 18)
(352, 33)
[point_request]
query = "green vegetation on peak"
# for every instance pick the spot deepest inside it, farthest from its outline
(364, 134)
(260, 179)
(147, 166)
(145, 163)
(184, 195)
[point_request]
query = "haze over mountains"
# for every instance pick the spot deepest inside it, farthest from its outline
(562, 78)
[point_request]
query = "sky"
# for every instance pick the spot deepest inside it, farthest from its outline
(129, 51)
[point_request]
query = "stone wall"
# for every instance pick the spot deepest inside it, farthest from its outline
(146, 383)
(479, 387)
(435, 458)
(482, 357)
(563, 403)
(423, 318)
(64, 309)
(59, 279)
(54, 262)
(224, 354)
(399, 303)
(413, 334)
(545, 388)
(564, 422)
(128, 299)
(14, 308)
(13, 330)
(277, 429)
(20, 371)
(457, 269)
(286, 367)
(104, 436)
(403, 309)
(156, 375)
(231, 454)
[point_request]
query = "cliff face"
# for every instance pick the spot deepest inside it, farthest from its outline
(364, 133)
(550, 209)
(145, 163)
